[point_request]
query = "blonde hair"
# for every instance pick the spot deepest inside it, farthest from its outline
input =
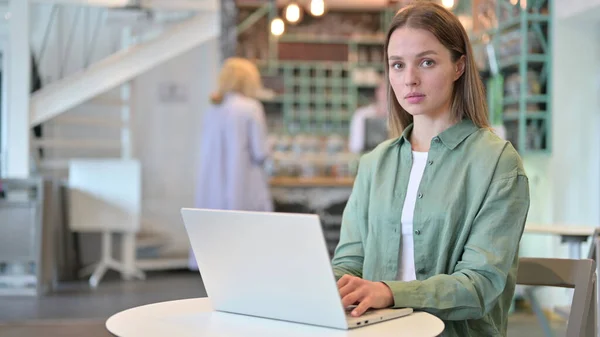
(469, 99)
(237, 75)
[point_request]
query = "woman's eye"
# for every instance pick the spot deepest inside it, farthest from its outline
(397, 66)
(427, 63)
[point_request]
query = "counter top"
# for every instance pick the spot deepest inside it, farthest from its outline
(312, 182)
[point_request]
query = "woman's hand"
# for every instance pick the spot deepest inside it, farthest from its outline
(366, 294)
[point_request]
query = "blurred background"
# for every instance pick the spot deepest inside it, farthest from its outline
(102, 104)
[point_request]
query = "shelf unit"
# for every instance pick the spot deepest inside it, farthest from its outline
(519, 94)
(24, 269)
(322, 78)
(320, 97)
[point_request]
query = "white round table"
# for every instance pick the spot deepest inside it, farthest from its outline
(196, 317)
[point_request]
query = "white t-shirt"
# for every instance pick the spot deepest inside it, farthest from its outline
(406, 261)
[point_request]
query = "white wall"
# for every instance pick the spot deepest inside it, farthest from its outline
(576, 128)
(566, 9)
(166, 137)
(565, 187)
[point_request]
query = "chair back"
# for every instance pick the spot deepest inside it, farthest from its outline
(566, 273)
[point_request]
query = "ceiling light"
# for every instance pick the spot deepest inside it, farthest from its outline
(449, 4)
(293, 13)
(317, 7)
(277, 26)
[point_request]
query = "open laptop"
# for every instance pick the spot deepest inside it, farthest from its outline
(271, 265)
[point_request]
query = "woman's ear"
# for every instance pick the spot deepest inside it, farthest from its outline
(459, 67)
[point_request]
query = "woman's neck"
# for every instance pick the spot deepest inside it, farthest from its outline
(425, 128)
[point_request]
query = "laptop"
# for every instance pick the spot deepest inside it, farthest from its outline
(271, 265)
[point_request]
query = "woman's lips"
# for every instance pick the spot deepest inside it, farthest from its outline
(415, 98)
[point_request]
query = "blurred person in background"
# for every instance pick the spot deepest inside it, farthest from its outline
(234, 145)
(376, 110)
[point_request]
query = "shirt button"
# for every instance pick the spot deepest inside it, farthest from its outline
(430, 162)
(436, 139)
(420, 195)
(418, 232)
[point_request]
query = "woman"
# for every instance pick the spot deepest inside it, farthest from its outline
(436, 214)
(234, 145)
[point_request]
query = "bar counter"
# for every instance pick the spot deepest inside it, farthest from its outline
(312, 182)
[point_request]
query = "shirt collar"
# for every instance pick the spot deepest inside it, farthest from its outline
(450, 137)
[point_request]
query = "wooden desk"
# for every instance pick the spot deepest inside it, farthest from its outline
(559, 229)
(195, 317)
(573, 235)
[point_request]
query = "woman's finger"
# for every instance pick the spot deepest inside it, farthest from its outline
(363, 306)
(353, 297)
(348, 288)
(343, 281)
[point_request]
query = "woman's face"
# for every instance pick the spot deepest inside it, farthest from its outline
(422, 73)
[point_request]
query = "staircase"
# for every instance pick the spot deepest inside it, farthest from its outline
(120, 67)
(84, 107)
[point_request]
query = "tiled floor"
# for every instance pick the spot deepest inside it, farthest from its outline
(79, 301)
(76, 310)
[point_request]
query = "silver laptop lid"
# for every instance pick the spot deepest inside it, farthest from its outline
(272, 265)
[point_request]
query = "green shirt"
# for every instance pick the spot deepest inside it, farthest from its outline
(469, 217)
